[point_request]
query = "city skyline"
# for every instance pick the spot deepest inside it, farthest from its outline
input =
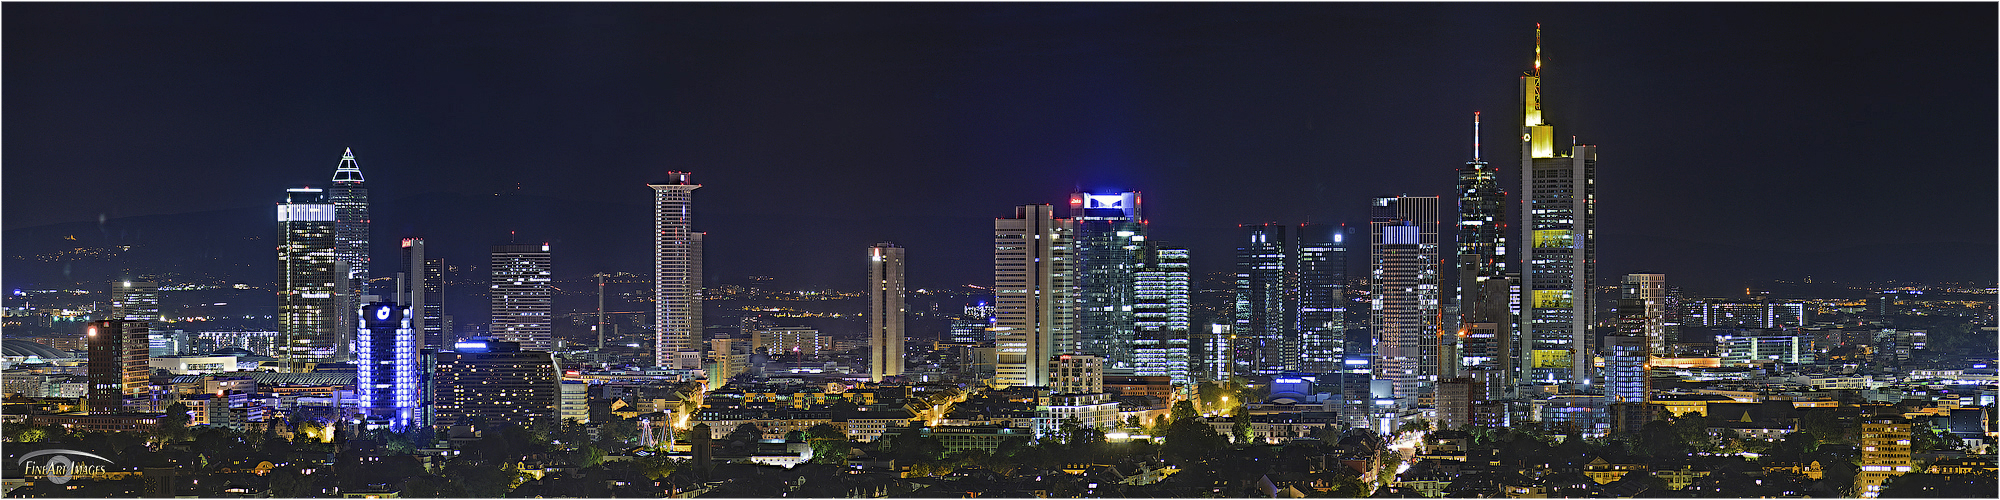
(1285, 113)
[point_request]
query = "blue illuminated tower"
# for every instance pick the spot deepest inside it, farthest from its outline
(386, 367)
(1110, 233)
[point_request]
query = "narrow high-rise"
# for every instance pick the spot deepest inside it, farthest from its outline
(1485, 287)
(349, 196)
(306, 278)
(1642, 310)
(1321, 321)
(1109, 234)
(677, 341)
(420, 285)
(1265, 344)
(885, 311)
(1161, 305)
(118, 363)
(521, 292)
(1405, 312)
(1559, 229)
(1034, 288)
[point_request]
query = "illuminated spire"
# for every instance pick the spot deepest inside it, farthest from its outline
(1538, 49)
(1475, 136)
(348, 171)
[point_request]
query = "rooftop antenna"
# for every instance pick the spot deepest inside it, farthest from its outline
(1538, 50)
(1475, 136)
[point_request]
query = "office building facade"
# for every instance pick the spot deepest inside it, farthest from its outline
(1642, 310)
(1110, 237)
(676, 274)
(1559, 231)
(1034, 287)
(1484, 292)
(1320, 324)
(886, 309)
(349, 195)
(118, 363)
(1265, 343)
(306, 279)
(1404, 294)
(521, 291)
(1161, 308)
(420, 285)
(496, 381)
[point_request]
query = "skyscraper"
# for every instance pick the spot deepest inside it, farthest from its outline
(1642, 310)
(1403, 257)
(1109, 235)
(1034, 283)
(306, 313)
(1484, 291)
(520, 293)
(885, 311)
(420, 285)
(1321, 324)
(1161, 305)
(349, 196)
(386, 365)
(676, 274)
(135, 300)
(1559, 227)
(118, 363)
(1264, 344)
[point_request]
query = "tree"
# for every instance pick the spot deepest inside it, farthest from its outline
(1183, 410)
(829, 445)
(1190, 440)
(173, 426)
(1241, 431)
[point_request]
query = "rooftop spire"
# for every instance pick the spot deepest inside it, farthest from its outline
(348, 171)
(1538, 49)
(1475, 136)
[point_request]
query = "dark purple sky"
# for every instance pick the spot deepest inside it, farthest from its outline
(1784, 127)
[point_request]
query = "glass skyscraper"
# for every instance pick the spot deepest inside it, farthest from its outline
(306, 306)
(349, 196)
(1559, 231)
(1160, 314)
(1110, 234)
(1264, 343)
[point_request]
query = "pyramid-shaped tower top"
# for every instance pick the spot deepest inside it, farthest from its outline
(348, 171)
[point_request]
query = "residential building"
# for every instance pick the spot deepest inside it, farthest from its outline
(677, 274)
(495, 381)
(1885, 453)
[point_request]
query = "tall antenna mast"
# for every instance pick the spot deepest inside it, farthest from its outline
(1475, 136)
(1538, 49)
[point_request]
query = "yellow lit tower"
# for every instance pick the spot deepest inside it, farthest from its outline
(1558, 227)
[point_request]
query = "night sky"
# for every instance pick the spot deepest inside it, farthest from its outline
(1789, 127)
